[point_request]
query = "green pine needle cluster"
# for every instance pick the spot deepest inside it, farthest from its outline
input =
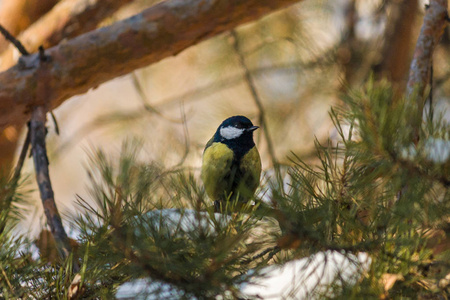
(377, 190)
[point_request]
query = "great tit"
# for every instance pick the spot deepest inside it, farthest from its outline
(231, 165)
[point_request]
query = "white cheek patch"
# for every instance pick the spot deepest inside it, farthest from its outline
(231, 132)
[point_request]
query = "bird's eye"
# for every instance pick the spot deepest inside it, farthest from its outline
(239, 125)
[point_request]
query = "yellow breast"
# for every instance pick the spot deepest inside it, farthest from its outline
(217, 172)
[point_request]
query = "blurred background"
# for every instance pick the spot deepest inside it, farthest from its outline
(301, 61)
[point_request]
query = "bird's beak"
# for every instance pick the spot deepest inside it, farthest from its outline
(253, 128)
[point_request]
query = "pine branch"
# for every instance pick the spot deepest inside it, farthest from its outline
(158, 32)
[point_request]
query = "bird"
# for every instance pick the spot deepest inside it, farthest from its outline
(231, 165)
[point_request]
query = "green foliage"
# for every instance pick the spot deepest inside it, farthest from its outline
(21, 276)
(127, 237)
(373, 191)
(368, 193)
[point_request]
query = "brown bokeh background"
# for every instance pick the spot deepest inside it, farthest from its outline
(301, 60)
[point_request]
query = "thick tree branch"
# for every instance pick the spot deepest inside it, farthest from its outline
(101, 55)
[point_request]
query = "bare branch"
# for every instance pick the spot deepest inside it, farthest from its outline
(272, 251)
(434, 23)
(101, 55)
(38, 133)
(8, 36)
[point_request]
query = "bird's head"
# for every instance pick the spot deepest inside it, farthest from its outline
(236, 127)
(237, 133)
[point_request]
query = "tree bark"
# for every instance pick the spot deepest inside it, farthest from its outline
(434, 23)
(101, 55)
(39, 151)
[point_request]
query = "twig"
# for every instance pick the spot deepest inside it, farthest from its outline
(272, 251)
(55, 122)
(14, 41)
(430, 96)
(7, 280)
(42, 56)
(258, 102)
(38, 133)
(22, 156)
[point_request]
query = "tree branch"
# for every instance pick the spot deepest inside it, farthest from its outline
(434, 23)
(38, 133)
(17, 44)
(101, 55)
